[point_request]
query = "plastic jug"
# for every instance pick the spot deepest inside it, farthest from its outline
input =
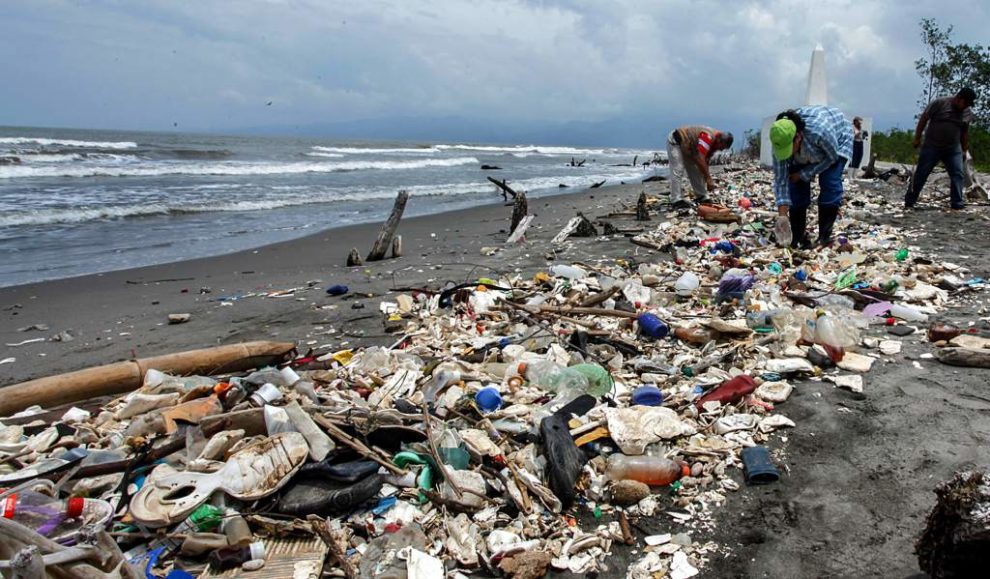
(686, 284)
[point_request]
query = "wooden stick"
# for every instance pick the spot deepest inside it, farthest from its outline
(388, 228)
(357, 445)
(436, 455)
(627, 535)
(600, 297)
(336, 544)
(575, 310)
(717, 358)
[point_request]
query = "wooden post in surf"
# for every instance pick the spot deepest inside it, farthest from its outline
(388, 229)
(519, 210)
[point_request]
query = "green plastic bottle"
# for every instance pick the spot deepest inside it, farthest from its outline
(600, 382)
(902, 254)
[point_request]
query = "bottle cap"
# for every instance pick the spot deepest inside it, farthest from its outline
(74, 508)
(488, 399)
(648, 395)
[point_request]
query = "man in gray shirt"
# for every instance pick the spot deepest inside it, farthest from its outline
(945, 123)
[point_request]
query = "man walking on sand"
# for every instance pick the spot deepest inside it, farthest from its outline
(945, 123)
(812, 141)
(689, 149)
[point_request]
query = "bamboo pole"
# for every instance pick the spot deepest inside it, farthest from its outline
(126, 376)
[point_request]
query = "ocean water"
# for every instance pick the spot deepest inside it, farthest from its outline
(74, 202)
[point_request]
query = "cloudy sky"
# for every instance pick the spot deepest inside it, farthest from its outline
(636, 66)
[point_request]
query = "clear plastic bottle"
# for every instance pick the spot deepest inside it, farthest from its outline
(45, 515)
(835, 334)
(440, 380)
(652, 470)
(547, 375)
(907, 313)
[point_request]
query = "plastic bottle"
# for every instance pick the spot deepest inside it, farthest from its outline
(236, 555)
(686, 284)
(204, 518)
(829, 335)
(549, 376)
(45, 515)
(600, 381)
(652, 326)
(729, 392)
(568, 271)
(907, 313)
(782, 231)
(902, 254)
(652, 470)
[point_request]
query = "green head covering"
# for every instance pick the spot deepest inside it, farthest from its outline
(782, 134)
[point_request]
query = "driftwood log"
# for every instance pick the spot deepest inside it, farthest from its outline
(384, 240)
(126, 376)
(972, 357)
(505, 189)
(519, 210)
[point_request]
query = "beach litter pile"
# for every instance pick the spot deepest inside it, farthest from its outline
(517, 425)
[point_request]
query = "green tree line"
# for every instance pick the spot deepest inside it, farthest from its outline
(894, 145)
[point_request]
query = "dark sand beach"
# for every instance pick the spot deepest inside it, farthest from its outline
(860, 468)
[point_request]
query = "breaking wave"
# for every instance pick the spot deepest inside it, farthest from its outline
(295, 198)
(21, 171)
(67, 143)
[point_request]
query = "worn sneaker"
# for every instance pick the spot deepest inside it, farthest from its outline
(682, 204)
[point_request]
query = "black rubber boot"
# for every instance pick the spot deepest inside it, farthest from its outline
(799, 223)
(826, 219)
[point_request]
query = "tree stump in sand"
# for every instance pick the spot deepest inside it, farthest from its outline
(585, 228)
(956, 540)
(354, 258)
(519, 210)
(642, 213)
(388, 229)
(397, 246)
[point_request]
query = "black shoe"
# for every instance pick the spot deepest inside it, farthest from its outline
(957, 207)
(315, 495)
(682, 204)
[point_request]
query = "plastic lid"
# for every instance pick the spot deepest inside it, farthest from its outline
(257, 550)
(74, 508)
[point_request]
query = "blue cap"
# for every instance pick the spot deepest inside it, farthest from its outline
(648, 395)
(488, 399)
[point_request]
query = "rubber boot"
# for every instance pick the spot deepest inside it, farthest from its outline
(799, 222)
(826, 219)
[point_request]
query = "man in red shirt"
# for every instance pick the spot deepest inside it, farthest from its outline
(689, 150)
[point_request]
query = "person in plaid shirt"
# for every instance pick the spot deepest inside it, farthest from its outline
(812, 141)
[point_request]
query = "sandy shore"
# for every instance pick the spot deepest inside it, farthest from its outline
(123, 314)
(860, 468)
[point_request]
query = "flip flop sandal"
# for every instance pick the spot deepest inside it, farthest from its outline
(251, 473)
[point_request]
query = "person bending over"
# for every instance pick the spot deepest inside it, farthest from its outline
(689, 150)
(945, 123)
(812, 141)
